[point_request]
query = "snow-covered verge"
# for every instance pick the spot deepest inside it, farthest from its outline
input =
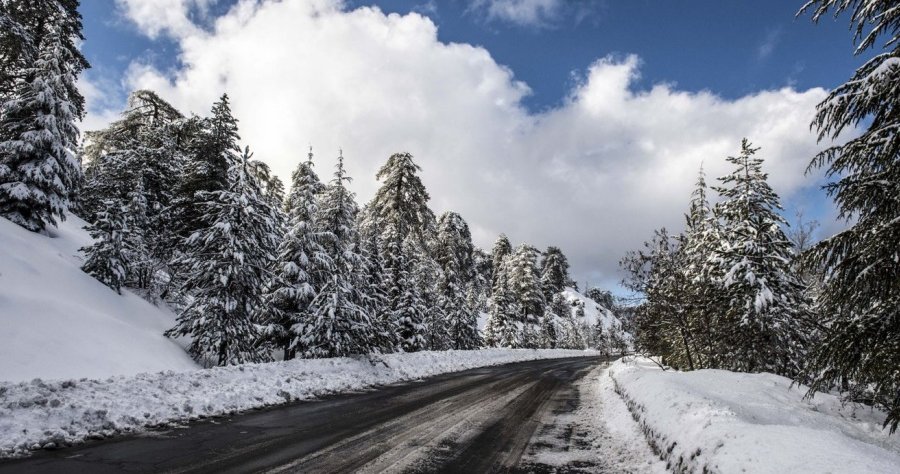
(58, 322)
(40, 414)
(598, 435)
(720, 421)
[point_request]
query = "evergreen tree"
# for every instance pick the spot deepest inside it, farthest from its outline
(28, 24)
(502, 328)
(224, 267)
(210, 149)
(764, 296)
(301, 267)
(340, 324)
(455, 257)
(861, 296)
(554, 272)
(106, 258)
(400, 207)
(38, 136)
(524, 281)
(502, 249)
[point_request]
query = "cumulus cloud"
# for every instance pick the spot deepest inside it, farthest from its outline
(594, 175)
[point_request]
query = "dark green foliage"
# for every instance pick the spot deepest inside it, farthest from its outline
(860, 352)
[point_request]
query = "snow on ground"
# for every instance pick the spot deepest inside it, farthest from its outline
(40, 413)
(598, 435)
(720, 421)
(58, 322)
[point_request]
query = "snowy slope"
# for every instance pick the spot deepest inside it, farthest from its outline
(46, 414)
(58, 322)
(720, 421)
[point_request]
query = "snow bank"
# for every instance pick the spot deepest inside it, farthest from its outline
(58, 322)
(720, 421)
(40, 414)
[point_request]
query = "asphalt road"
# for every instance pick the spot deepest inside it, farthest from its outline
(480, 420)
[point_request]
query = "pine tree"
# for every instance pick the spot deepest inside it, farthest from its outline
(38, 136)
(455, 257)
(400, 207)
(210, 149)
(106, 258)
(524, 281)
(861, 296)
(224, 267)
(340, 324)
(301, 267)
(764, 296)
(554, 272)
(502, 249)
(502, 328)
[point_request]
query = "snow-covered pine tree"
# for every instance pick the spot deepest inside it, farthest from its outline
(501, 250)
(106, 258)
(704, 295)
(554, 272)
(210, 149)
(375, 293)
(135, 162)
(400, 206)
(525, 283)
(662, 323)
(224, 269)
(765, 298)
(454, 254)
(301, 267)
(502, 327)
(340, 324)
(861, 350)
(38, 135)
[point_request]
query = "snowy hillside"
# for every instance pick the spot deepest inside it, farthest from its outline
(721, 421)
(58, 322)
(593, 312)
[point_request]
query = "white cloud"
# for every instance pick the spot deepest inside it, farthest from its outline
(521, 12)
(155, 17)
(593, 176)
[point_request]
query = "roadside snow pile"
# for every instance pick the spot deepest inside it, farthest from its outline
(720, 421)
(58, 322)
(47, 414)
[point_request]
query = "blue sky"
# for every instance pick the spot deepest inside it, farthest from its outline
(624, 99)
(730, 48)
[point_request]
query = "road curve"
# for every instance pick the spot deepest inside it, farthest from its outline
(479, 420)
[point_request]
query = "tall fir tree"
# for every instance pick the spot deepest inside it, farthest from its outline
(454, 254)
(764, 297)
(503, 328)
(340, 324)
(501, 250)
(400, 206)
(38, 135)
(554, 272)
(861, 297)
(224, 269)
(524, 280)
(301, 267)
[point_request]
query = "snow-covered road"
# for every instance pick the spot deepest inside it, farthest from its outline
(530, 416)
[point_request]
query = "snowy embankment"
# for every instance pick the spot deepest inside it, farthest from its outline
(40, 413)
(59, 322)
(720, 421)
